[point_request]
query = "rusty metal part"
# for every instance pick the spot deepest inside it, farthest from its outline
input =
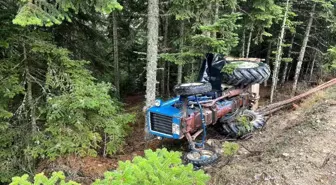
(282, 104)
(196, 134)
(190, 140)
(212, 114)
(184, 111)
(228, 94)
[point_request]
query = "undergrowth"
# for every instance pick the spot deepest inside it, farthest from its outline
(155, 168)
(230, 149)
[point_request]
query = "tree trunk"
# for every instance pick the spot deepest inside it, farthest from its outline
(216, 18)
(116, 54)
(165, 46)
(303, 50)
(152, 54)
(168, 79)
(30, 101)
(207, 19)
(278, 54)
(305, 76)
(179, 73)
(243, 45)
(249, 43)
(180, 66)
(269, 51)
(284, 73)
(312, 68)
(289, 71)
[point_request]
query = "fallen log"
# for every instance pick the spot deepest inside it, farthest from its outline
(285, 103)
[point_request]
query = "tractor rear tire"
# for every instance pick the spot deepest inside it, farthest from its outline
(192, 88)
(246, 73)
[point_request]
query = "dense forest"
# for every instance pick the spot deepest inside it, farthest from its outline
(67, 65)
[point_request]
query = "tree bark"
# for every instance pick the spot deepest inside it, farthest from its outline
(303, 50)
(207, 19)
(168, 79)
(243, 46)
(312, 68)
(116, 54)
(152, 52)
(305, 76)
(249, 43)
(269, 51)
(279, 54)
(216, 18)
(165, 45)
(289, 71)
(30, 101)
(284, 73)
(180, 66)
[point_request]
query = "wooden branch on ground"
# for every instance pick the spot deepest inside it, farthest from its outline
(282, 104)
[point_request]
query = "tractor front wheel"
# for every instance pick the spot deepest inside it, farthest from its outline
(201, 157)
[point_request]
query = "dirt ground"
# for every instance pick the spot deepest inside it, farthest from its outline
(296, 147)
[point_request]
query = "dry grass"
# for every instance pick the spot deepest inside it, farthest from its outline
(313, 100)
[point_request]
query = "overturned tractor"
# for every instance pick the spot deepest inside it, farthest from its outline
(221, 97)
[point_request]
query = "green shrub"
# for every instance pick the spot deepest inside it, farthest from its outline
(156, 168)
(330, 61)
(79, 112)
(230, 149)
(74, 112)
(41, 179)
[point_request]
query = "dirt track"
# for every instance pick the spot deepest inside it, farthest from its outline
(296, 147)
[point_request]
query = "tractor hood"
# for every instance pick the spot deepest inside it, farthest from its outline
(164, 120)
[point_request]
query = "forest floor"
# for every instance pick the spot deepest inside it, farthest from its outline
(296, 147)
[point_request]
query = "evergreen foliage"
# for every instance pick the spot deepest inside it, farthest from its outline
(41, 179)
(330, 64)
(51, 105)
(159, 167)
(261, 15)
(230, 149)
(45, 13)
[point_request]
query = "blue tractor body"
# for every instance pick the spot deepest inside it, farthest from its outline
(167, 116)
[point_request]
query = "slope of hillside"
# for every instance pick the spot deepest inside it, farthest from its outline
(296, 147)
